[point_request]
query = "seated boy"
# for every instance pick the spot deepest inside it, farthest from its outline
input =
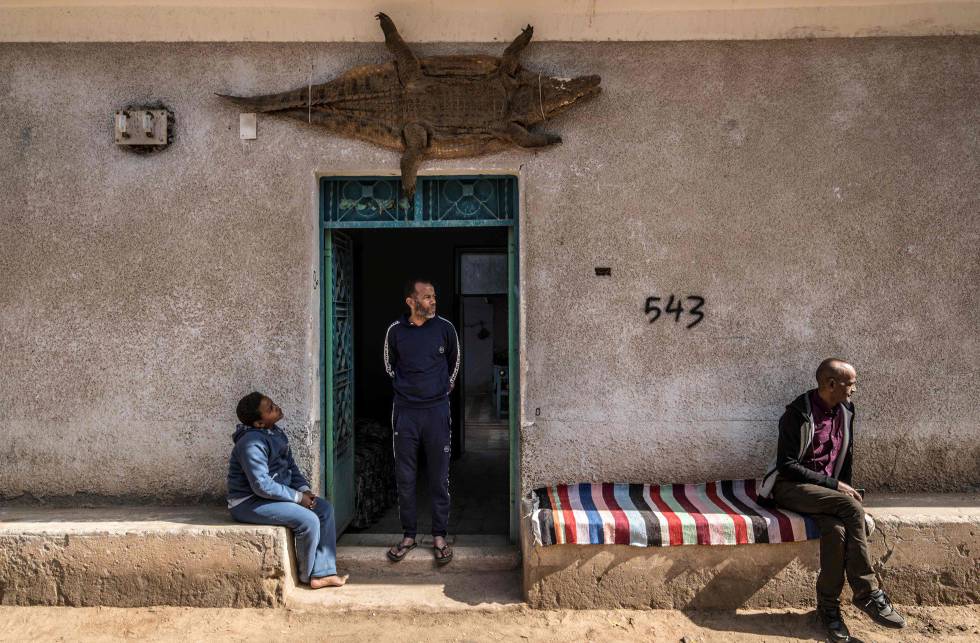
(266, 487)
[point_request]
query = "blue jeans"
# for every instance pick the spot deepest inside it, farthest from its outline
(313, 529)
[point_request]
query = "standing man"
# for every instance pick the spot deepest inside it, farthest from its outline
(812, 475)
(422, 357)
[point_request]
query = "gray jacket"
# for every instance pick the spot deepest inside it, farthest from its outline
(796, 438)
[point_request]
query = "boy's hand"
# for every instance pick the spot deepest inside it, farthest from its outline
(308, 500)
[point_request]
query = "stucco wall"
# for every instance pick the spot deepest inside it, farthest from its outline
(822, 196)
(479, 20)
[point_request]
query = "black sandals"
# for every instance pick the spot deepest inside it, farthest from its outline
(442, 554)
(400, 551)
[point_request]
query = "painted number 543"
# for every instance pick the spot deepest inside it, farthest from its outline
(675, 307)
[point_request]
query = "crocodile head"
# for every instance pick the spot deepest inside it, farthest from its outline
(539, 98)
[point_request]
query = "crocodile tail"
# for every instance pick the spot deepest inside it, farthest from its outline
(274, 102)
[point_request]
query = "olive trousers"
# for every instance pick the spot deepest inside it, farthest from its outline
(843, 540)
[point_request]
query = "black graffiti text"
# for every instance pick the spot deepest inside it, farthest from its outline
(675, 307)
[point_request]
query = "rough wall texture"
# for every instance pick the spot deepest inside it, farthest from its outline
(821, 196)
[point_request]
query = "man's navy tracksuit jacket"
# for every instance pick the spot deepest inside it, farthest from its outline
(423, 362)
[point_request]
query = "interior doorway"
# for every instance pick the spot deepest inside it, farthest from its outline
(383, 260)
(470, 256)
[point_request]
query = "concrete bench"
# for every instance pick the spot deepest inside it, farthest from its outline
(926, 548)
(139, 556)
(200, 557)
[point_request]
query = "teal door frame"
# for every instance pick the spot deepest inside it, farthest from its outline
(450, 201)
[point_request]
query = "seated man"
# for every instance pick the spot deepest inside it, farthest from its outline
(266, 487)
(812, 475)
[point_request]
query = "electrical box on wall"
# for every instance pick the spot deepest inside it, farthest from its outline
(141, 127)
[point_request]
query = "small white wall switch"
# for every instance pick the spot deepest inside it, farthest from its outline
(141, 127)
(246, 126)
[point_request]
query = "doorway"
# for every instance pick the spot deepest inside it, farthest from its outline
(468, 250)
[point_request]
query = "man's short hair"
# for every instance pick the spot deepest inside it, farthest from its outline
(412, 283)
(831, 368)
(248, 408)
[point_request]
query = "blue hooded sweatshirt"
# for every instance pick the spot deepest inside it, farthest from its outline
(262, 464)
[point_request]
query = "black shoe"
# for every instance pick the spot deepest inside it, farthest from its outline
(877, 606)
(831, 618)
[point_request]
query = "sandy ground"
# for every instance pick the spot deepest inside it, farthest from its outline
(517, 624)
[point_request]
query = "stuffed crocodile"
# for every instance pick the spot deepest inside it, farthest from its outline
(438, 107)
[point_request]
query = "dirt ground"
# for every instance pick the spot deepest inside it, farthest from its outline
(518, 624)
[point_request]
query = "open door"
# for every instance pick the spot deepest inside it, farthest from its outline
(442, 205)
(339, 380)
(481, 303)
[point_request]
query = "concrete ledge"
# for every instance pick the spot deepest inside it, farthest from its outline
(364, 555)
(132, 557)
(200, 557)
(927, 550)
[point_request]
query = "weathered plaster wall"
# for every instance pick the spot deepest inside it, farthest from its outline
(450, 21)
(824, 199)
(822, 196)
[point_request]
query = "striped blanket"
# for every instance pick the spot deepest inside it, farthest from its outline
(714, 513)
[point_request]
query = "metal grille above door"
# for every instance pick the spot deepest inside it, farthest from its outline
(443, 201)
(358, 200)
(485, 198)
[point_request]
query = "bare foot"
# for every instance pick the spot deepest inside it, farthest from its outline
(329, 581)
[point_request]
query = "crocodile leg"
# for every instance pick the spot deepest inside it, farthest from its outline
(416, 141)
(510, 59)
(520, 136)
(406, 63)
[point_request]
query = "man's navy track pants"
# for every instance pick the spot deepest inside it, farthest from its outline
(427, 429)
